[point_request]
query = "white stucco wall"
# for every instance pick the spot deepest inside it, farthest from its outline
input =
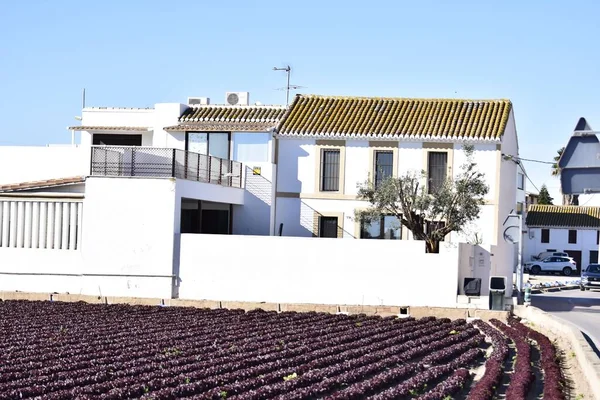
(254, 216)
(114, 116)
(318, 271)
(297, 163)
(127, 245)
(31, 163)
(559, 240)
(503, 262)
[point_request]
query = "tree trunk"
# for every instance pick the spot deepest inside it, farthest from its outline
(432, 246)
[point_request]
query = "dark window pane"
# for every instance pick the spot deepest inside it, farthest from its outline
(597, 237)
(328, 227)
(116, 140)
(385, 227)
(572, 236)
(521, 181)
(392, 229)
(330, 171)
(384, 166)
(436, 170)
(371, 230)
(545, 235)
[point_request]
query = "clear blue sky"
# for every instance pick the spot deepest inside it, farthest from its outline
(543, 55)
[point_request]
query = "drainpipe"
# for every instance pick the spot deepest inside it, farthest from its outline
(274, 184)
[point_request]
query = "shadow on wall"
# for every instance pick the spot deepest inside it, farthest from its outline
(255, 215)
(306, 211)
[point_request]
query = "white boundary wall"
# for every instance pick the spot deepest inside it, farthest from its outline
(317, 271)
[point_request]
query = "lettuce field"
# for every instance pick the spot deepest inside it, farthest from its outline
(53, 350)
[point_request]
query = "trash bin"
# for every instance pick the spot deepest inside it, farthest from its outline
(497, 291)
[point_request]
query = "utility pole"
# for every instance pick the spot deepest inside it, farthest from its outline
(519, 242)
(287, 70)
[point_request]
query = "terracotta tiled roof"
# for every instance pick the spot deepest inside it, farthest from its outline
(15, 187)
(229, 118)
(539, 215)
(223, 127)
(396, 117)
(109, 128)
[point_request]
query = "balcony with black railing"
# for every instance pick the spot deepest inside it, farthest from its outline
(153, 162)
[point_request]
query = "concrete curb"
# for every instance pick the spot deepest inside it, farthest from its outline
(585, 355)
(382, 310)
(553, 289)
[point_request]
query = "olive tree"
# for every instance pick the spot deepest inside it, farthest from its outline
(429, 214)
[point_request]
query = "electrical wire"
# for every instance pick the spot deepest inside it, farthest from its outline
(517, 160)
(530, 181)
(536, 161)
(588, 200)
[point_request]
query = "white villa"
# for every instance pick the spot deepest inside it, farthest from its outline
(120, 213)
(571, 229)
(326, 146)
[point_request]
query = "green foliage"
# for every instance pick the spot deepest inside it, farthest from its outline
(544, 196)
(223, 394)
(290, 377)
(455, 204)
(171, 351)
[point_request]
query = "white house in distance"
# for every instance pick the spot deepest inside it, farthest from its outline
(121, 213)
(328, 145)
(116, 204)
(571, 229)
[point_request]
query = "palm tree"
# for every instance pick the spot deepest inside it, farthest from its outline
(567, 199)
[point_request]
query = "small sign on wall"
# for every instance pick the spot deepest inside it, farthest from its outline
(256, 170)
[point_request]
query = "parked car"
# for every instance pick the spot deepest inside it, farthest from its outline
(590, 277)
(547, 254)
(565, 265)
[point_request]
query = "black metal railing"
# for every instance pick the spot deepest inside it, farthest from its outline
(162, 162)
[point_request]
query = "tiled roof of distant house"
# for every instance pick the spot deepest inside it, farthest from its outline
(312, 115)
(229, 118)
(550, 216)
(15, 187)
(109, 128)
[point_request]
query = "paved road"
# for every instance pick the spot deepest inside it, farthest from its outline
(575, 306)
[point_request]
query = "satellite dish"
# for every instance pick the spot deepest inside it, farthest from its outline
(511, 234)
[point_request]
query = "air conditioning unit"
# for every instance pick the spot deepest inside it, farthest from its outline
(237, 98)
(203, 101)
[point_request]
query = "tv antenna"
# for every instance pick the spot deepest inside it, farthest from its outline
(288, 71)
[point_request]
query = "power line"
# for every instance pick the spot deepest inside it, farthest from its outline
(588, 200)
(529, 179)
(537, 161)
(516, 159)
